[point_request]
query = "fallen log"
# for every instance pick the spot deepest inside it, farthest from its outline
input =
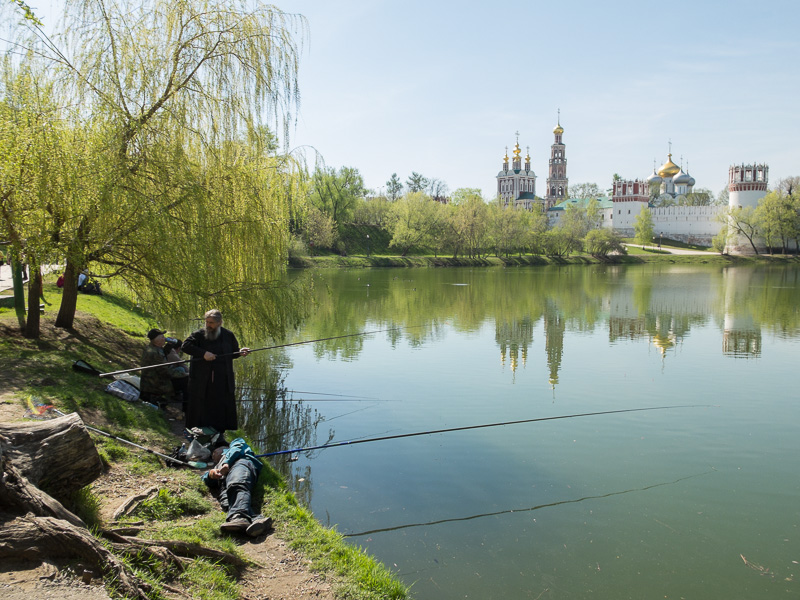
(19, 497)
(57, 456)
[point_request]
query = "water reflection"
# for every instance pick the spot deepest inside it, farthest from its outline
(657, 304)
(510, 511)
(606, 337)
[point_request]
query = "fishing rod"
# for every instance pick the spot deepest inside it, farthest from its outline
(335, 337)
(263, 389)
(193, 464)
(247, 401)
(467, 427)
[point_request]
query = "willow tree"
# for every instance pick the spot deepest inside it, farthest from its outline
(31, 180)
(165, 87)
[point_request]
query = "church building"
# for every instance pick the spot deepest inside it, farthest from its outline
(516, 186)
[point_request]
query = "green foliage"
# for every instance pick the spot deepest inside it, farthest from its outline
(778, 219)
(416, 182)
(209, 582)
(335, 193)
(166, 506)
(413, 221)
(584, 190)
(157, 157)
(468, 222)
(319, 229)
(394, 187)
(720, 241)
(602, 242)
(86, 506)
(643, 227)
(372, 211)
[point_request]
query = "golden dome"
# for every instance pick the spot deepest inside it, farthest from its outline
(559, 129)
(669, 168)
(517, 151)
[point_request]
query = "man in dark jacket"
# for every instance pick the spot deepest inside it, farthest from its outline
(211, 382)
(156, 384)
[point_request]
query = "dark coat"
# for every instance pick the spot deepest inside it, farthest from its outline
(212, 387)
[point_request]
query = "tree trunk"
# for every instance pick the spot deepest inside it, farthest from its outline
(19, 291)
(69, 298)
(57, 455)
(29, 537)
(34, 296)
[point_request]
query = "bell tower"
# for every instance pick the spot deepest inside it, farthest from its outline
(557, 181)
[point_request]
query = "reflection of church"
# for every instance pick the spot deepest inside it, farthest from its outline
(514, 337)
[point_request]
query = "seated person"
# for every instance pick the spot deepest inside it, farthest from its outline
(156, 384)
(236, 473)
(178, 372)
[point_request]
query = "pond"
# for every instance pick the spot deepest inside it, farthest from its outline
(670, 472)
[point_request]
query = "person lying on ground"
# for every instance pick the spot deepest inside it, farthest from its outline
(235, 474)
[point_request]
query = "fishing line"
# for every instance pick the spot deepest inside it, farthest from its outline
(247, 401)
(528, 509)
(261, 389)
(467, 427)
(192, 464)
(335, 337)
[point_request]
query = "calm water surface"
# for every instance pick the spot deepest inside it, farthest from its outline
(695, 502)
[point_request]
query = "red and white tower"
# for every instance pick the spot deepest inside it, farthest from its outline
(747, 184)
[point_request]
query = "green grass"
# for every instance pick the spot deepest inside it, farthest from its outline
(109, 335)
(358, 574)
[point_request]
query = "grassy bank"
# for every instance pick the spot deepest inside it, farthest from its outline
(635, 256)
(108, 334)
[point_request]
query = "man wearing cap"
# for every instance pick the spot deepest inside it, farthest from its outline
(212, 399)
(156, 384)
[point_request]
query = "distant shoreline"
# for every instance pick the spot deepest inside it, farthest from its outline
(709, 258)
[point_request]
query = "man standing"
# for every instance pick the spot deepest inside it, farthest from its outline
(211, 382)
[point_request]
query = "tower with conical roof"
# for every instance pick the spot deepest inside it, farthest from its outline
(557, 173)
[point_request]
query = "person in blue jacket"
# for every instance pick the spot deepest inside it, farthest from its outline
(236, 473)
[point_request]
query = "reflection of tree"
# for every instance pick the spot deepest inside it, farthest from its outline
(269, 418)
(658, 302)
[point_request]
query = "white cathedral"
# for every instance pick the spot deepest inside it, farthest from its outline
(747, 184)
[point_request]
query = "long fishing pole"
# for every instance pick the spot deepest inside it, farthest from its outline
(194, 465)
(467, 427)
(335, 337)
(263, 389)
(249, 401)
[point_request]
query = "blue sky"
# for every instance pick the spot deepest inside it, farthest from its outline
(441, 87)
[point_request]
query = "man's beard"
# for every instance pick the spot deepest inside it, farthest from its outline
(212, 334)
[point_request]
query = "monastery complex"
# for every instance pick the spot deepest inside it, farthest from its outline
(747, 184)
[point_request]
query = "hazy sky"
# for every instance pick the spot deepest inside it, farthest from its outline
(440, 87)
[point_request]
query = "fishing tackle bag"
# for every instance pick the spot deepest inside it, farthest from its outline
(123, 389)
